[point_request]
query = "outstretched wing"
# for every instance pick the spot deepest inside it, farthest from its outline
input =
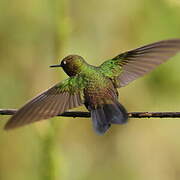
(64, 95)
(132, 64)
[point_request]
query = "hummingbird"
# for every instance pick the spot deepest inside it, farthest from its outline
(95, 86)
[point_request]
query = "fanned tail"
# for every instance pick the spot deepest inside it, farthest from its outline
(108, 114)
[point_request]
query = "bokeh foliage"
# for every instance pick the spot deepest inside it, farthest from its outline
(35, 34)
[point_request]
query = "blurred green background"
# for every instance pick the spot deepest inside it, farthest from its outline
(35, 34)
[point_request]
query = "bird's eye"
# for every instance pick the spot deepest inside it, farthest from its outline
(64, 62)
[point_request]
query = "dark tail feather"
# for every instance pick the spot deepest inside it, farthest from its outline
(108, 114)
(100, 121)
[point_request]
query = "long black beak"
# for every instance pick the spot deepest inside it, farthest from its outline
(52, 66)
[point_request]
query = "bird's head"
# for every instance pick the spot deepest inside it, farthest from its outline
(71, 64)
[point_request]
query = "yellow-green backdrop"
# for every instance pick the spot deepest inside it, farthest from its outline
(35, 34)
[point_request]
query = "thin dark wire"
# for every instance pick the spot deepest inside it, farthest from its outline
(87, 114)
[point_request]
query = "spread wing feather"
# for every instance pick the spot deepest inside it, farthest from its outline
(133, 64)
(56, 100)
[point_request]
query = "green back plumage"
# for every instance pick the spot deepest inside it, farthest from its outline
(111, 68)
(73, 85)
